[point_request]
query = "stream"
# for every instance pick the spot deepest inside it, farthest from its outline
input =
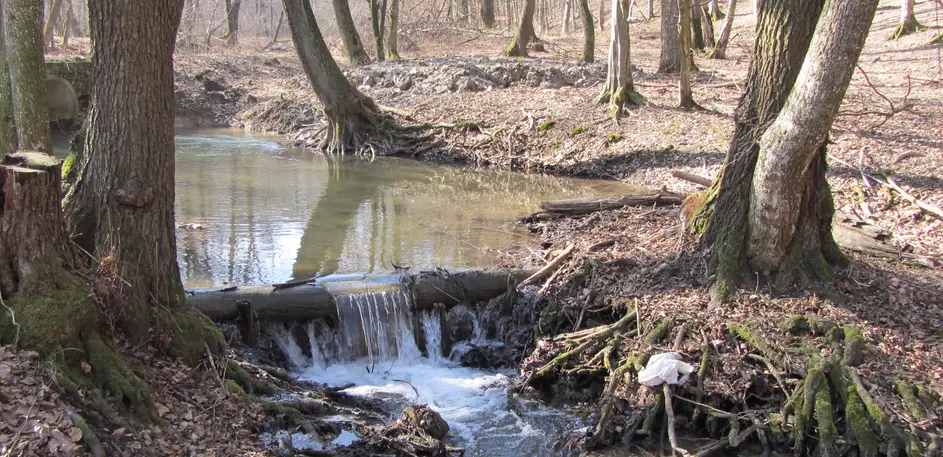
(251, 211)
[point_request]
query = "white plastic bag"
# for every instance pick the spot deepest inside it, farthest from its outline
(665, 367)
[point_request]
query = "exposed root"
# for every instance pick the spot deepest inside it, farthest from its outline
(907, 27)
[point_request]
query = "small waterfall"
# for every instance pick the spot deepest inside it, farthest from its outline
(377, 326)
(432, 330)
(320, 337)
(288, 345)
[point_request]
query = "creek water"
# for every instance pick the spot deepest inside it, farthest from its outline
(251, 211)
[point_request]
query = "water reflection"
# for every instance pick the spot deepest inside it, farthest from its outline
(250, 211)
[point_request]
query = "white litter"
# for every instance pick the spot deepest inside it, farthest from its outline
(665, 367)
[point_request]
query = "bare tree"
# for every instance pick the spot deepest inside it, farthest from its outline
(525, 31)
(392, 40)
(620, 88)
(720, 49)
(770, 211)
(487, 13)
(232, 22)
(670, 61)
(52, 21)
(589, 33)
(686, 97)
(377, 17)
(908, 21)
(356, 53)
(23, 26)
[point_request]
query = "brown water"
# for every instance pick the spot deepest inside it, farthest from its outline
(251, 211)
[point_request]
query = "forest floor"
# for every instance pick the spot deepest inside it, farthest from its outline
(538, 114)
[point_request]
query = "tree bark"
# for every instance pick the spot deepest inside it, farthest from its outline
(695, 27)
(392, 40)
(670, 61)
(487, 13)
(686, 98)
(121, 205)
(356, 53)
(7, 126)
(525, 31)
(780, 224)
(52, 20)
(589, 33)
(23, 27)
(232, 22)
(377, 15)
(707, 26)
(908, 21)
(720, 50)
(620, 88)
(566, 18)
(778, 52)
(351, 115)
(602, 15)
(714, 12)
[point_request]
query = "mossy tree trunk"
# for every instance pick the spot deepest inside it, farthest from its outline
(23, 29)
(354, 121)
(589, 33)
(52, 21)
(487, 13)
(7, 128)
(720, 49)
(670, 60)
(620, 88)
(778, 52)
(770, 211)
(356, 54)
(121, 205)
(232, 22)
(908, 21)
(525, 31)
(392, 40)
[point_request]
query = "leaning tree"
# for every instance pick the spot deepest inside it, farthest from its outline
(769, 212)
(518, 47)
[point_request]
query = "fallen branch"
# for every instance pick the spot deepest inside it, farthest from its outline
(890, 184)
(550, 267)
(576, 207)
(692, 178)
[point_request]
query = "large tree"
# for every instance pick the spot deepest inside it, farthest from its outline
(232, 22)
(670, 61)
(769, 212)
(589, 33)
(354, 121)
(7, 127)
(392, 41)
(121, 205)
(356, 53)
(620, 88)
(525, 31)
(487, 13)
(27, 72)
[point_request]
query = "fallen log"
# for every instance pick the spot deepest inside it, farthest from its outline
(564, 208)
(316, 299)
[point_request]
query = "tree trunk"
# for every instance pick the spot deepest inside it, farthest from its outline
(780, 224)
(376, 20)
(602, 15)
(713, 10)
(351, 115)
(232, 22)
(487, 13)
(23, 26)
(620, 89)
(356, 54)
(7, 128)
(686, 97)
(908, 21)
(67, 23)
(670, 61)
(52, 20)
(695, 28)
(651, 9)
(566, 18)
(720, 50)
(525, 31)
(589, 33)
(121, 205)
(770, 210)
(707, 27)
(392, 40)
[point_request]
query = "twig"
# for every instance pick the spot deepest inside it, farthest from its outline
(725, 443)
(547, 269)
(772, 371)
(16, 338)
(600, 245)
(692, 178)
(890, 184)
(209, 355)
(410, 385)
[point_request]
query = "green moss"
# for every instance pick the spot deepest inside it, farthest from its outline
(577, 130)
(111, 371)
(907, 392)
(803, 324)
(854, 345)
(196, 334)
(859, 424)
(659, 332)
(50, 319)
(201, 73)
(546, 125)
(828, 435)
(290, 415)
(248, 383)
(614, 138)
(746, 334)
(235, 388)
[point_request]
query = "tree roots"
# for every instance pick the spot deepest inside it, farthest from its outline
(826, 411)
